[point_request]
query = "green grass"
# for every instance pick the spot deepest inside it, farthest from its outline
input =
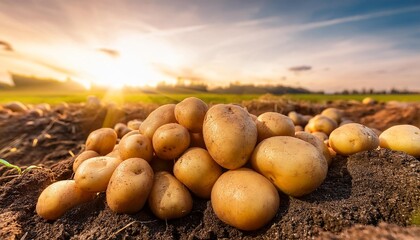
(35, 97)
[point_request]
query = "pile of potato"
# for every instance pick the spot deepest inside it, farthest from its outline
(237, 160)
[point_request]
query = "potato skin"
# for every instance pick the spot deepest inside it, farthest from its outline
(405, 138)
(272, 124)
(93, 174)
(170, 141)
(102, 141)
(320, 145)
(136, 146)
(333, 113)
(198, 171)
(160, 116)
(121, 129)
(190, 113)
(353, 138)
(60, 197)
(296, 167)
(197, 140)
(230, 135)
(129, 186)
(169, 198)
(321, 123)
(244, 199)
(83, 157)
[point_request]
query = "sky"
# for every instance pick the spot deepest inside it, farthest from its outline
(319, 45)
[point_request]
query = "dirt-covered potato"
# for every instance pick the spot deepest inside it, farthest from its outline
(82, 157)
(230, 135)
(321, 123)
(198, 171)
(296, 167)
(60, 197)
(102, 141)
(93, 174)
(197, 140)
(169, 198)
(121, 129)
(353, 138)
(190, 113)
(333, 113)
(136, 146)
(405, 138)
(160, 116)
(129, 186)
(134, 124)
(244, 199)
(320, 145)
(322, 136)
(272, 124)
(170, 141)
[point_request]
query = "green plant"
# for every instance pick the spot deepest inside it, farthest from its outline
(9, 165)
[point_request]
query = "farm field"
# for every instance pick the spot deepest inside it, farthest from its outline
(33, 97)
(374, 192)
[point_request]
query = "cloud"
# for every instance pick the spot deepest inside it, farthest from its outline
(301, 68)
(6, 46)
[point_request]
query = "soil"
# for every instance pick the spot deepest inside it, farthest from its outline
(369, 195)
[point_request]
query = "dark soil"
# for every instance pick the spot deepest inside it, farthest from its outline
(369, 195)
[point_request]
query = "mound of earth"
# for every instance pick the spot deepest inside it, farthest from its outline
(368, 194)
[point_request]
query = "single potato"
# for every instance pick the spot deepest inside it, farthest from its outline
(244, 199)
(16, 107)
(136, 146)
(198, 171)
(169, 198)
(320, 145)
(102, 141)
(297, 118)
(121, 129)
(170, 141)
(83, 157)
(321, 123)
(333, 113)
(353, 138)
(320, 135)
(230, 135)
(160, 116)
(129, 186)
(93, 174)
(272, 124)
(134, 124)
(60, 197)
(296, 167)
(405, 138)
(190, 113)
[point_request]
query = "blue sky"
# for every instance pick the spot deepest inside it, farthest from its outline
(320, 45)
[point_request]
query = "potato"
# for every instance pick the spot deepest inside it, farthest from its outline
(16, 107)
(170, 141)
(322, 136)
(197, 140)
(93, 174)
(115, 152)
(82, 157)
(298, 128)
(244, 199)
(136, 146)
(333, 113)
(190, 113)
(272, 124)
(296, 167)
(321, 123)
(198, 171)
(134, 124)
(320, 145)
(405, 138)
(352, 138)
(121, 129)
(102, 141)
(296, 118)
(169, 198)
(230, 135)
(130, 133)
(160, 116)
(368, 101)
(159, 165)
(129, 186)
(60, 197)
